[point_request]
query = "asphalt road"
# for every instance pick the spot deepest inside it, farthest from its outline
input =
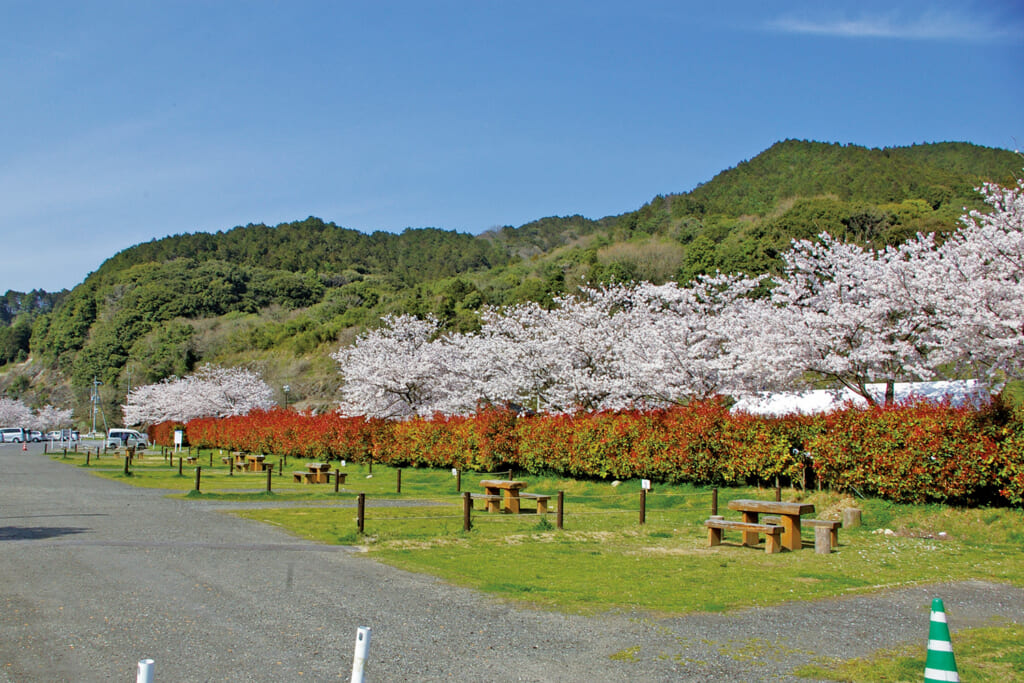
(96, 575)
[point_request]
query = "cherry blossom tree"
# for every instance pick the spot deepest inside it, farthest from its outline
(982, 269)
(14, 413)
(48, 418)
(398, 370)
(845, 314)
(213, 391)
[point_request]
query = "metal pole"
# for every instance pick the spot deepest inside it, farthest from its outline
(362, 649)
(145, 674)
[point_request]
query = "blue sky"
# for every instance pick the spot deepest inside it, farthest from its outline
(121, 122)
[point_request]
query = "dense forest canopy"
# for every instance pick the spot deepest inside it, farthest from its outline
(281, 296)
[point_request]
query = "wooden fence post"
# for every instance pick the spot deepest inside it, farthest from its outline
(467, 507)
(270, 474)
(199, 474)
(714, 501)
(561, 506)
(643, 506)
(361, 513)
(398, 480)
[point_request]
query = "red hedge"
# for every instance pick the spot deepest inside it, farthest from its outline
(913, 453)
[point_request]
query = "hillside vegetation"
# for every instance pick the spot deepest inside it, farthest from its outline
(280, 299)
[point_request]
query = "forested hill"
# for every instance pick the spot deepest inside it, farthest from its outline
(283, 297)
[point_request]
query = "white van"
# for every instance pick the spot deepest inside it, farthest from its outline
(15, 434)
(126, 437)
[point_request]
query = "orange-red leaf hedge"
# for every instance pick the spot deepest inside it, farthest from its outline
(920, 452)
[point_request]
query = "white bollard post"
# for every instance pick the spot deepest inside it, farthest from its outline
(362, 648)
(145, 674)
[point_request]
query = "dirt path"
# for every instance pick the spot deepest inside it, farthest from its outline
(97, 575)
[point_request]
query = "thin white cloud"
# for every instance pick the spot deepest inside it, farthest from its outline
(933, 26)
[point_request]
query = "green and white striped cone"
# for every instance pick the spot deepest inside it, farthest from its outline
(940, 665)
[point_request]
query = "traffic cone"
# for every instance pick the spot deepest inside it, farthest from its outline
(24, 446)
(940, 666)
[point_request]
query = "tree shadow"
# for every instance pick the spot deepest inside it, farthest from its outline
(36, 533)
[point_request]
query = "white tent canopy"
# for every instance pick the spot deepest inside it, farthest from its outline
(776, 404)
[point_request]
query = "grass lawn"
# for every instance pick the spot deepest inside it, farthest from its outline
(604, 559)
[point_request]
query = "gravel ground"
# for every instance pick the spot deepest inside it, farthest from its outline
(98, 575)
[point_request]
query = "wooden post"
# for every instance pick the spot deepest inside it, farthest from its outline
(211, 458)
(714, 501)
(361, 512)
(270, 474)
(199, 474)
(851, 517)
(643, 506)
(180, 461)
(126, 462)
(398, 480)
(231, 466)
(458, 481)
(510, 475)
(371, 466)
(467, 507)
(86, 457)
(822, 540)
(561, 499)
(778, 491)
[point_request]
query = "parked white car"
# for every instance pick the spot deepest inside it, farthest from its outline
(12, 434)
(126, 437)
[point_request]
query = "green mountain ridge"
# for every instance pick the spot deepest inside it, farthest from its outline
(281, 298)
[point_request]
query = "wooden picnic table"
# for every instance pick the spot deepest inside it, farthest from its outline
(316, 473)
(788, 513)
(502, 494)
(254, 462)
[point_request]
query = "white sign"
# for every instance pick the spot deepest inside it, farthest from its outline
(179, 437)
(645, 484)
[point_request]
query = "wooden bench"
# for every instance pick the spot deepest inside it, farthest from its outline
(541, 498)
(772, 532)
(831, 525)
(488, 499)
(341, 476)
(305, 477)
(191, 460)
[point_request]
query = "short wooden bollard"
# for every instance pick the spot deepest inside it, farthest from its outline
(561, 506)
(211, 458)
(199, 474)
(851, 517)
(231, 466)
(270, 473)
(127, 461)
(643, 506)
(361, 512)
(822, 540)
(714, 501)
(337, 480)
(86, 456)
(467, 508)
(458, 481)
(398, 480)
(181, 460)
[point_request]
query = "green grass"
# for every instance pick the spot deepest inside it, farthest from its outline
(983, 655)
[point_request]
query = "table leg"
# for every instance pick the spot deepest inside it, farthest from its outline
(492, 505)
(791, 532)
(750, 537)
(512, 501)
